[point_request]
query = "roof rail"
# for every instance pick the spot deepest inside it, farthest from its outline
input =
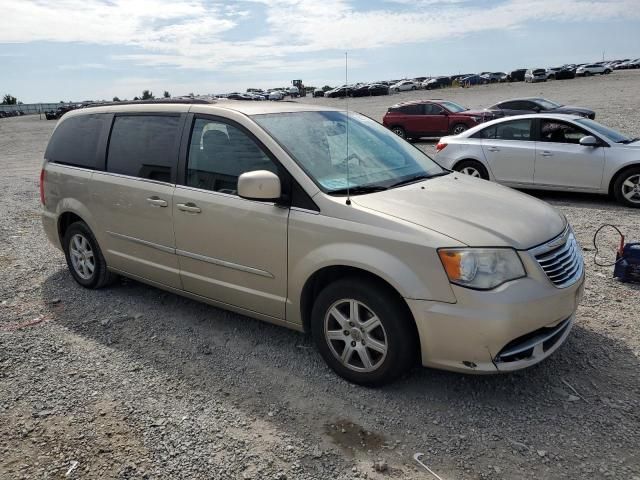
(153, 102)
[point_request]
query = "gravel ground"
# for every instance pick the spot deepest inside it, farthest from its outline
(133, 382)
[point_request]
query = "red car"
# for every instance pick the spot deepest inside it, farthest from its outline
(432, 118)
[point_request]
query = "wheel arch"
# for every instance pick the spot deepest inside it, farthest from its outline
(328, 274)
(621, 171)
(473, 159)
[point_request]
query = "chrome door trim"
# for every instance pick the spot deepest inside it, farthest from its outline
(304, 210)
(224, 263)
(146, 243)
(130, 177)
(221, 194)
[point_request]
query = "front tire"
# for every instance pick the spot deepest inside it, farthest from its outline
(363, 331)
(626, 188)
(458, 128)
(84, 257)
(472, 168)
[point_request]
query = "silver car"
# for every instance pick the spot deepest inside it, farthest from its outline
(548, 152)
(265, 209)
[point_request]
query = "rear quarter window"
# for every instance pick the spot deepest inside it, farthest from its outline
(75, 141)
(144, 146)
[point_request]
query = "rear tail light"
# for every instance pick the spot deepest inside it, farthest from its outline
(440, 146)
(42, 176)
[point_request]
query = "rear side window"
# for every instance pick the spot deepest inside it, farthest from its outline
(143, 146)
(75, 141)
(515, 130)
(415, 109)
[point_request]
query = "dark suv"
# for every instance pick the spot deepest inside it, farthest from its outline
(431, 118)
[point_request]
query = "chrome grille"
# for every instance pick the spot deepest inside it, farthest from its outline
(561, 259)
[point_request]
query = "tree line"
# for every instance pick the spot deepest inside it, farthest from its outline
(146, 95)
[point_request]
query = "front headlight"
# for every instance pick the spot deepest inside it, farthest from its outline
(481, 268)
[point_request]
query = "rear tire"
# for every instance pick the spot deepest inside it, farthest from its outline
(626, 188)
(84, 257)
(364, 331)
(473, 168)
(399, 131)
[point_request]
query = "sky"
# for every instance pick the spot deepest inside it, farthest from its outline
(97, 49)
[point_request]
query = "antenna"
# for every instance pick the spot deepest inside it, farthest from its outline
(346, 97)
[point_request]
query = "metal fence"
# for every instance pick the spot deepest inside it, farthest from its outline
(29, 108)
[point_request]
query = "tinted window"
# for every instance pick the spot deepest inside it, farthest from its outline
(412, 109)
(75, 141)
(601, 129)
(219, 153)
(143, 146)
(560, 132)
(515, 130)
(432, 109)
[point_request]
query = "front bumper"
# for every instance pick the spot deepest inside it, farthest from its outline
(509, 328)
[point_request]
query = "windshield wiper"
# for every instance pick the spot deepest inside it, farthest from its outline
(627, 141)
(358, 190)
(417, 178)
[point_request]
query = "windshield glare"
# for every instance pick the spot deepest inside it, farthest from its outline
(317, 141)
(611, 134)
(453, 107)
(547, 104)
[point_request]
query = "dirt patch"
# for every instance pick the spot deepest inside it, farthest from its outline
(353, 438)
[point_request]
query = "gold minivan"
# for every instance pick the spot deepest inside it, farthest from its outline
(318, 220)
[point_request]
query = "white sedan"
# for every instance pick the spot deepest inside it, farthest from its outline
(548, 152)
(404, 86)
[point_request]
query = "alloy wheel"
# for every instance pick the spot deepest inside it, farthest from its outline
(458, 129)
(472, 172)
(398, 131)
(355, 335)
(631, 188)
(82, 257)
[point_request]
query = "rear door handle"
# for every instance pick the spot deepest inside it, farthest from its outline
(493, 149)
(188, 207)
(546, 154)
(157, 201)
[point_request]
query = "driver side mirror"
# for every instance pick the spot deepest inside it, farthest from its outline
(589, 141)
(260, 185)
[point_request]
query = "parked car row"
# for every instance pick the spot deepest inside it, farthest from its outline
(436, 117)
(60, 111)
(260, 95)
(11, 113)
(529, 75)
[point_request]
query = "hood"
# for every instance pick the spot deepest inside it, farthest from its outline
(473, 211)
(571, 109)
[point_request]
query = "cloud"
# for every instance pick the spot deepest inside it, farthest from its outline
(83, 66)
(194, 34)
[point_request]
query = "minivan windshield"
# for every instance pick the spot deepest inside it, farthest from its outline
(372, 157)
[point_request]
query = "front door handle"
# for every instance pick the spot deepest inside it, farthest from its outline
(188, 207)
(157, 201)
(546, 154)
(493, 149)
